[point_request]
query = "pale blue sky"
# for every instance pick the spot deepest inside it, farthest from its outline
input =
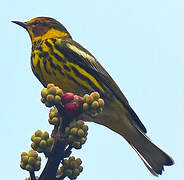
(140, 43)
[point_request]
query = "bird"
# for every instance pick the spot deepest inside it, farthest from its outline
(57, 58)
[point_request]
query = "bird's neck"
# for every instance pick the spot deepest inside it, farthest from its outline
(51, 33)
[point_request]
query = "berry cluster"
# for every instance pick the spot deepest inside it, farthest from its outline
(41, 142)
(71, 168)
(76, 134)
(30, 161)
(93, 103)
(51, 95)
(54, 117)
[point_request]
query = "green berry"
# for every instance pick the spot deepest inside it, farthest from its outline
(57, 99)
(85, 106)
(85, 97)
(50, 85)
(76, 172)
(79, 162)
(73, 164)
(38, 158)
(38, 133)
(43, 144)
(74, 131)
(89, 99)
(70, 138)
(52, 90)
(67, 130)
(50, 98)
(66, 162)
(22, 165)
(68, 172)
(101, 102)
(37, 165)
(71, 158)
(31, 161)
(80, 168)
(80, 133)
(85, 128)
(50, 141)
(44, 93)
(24, 154)
(95, 104)
(77, 145)
(37, 140)
(80, 123)
(72, 124)
(32, 137)
(33, 153)
(59, 92)
(95, 95)
(40, 150)
(34, 146)
(45, 135)
(83, 140)
(29, 167)
(24, 159)
(43, 100)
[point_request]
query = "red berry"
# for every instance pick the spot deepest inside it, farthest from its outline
(71, 109)
(67, 97)
(80, 99)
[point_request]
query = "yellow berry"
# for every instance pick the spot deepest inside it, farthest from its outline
(95, 104)
(80, 123)
(31, 161)
(29, 167)
(45, 135)
(80, 132)
(101, 102)
(43, 144)
(80, 168)
(50, 98)
(68, 172)
(76, 172)
(44, 92)
(79, 162)
(50, 141)
(38, 133)
(50, 85)
(37, 140)
(85, 127)
(24, 159)
(74, 131)
(85, 106)
(95, 95)
(33, 153)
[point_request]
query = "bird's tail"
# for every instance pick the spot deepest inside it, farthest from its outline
(120, 121)
(153, 157)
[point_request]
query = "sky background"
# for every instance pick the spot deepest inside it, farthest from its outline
(140, 43)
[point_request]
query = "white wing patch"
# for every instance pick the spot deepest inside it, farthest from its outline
(80, 52)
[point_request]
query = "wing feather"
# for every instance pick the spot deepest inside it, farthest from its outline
(73, 50)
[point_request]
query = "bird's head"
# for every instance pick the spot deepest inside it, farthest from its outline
(41, 28)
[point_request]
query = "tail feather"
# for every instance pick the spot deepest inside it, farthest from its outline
(120, 121)
(152, 156)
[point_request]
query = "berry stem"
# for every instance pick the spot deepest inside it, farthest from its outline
(32, 175)
(58, 152)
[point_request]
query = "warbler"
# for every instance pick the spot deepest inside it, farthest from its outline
(56, 58)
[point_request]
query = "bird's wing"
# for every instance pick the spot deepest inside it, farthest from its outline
(73, 50)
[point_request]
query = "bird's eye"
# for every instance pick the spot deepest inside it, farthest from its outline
(36, 22)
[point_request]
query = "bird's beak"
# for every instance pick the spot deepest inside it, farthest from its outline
(22, 24)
